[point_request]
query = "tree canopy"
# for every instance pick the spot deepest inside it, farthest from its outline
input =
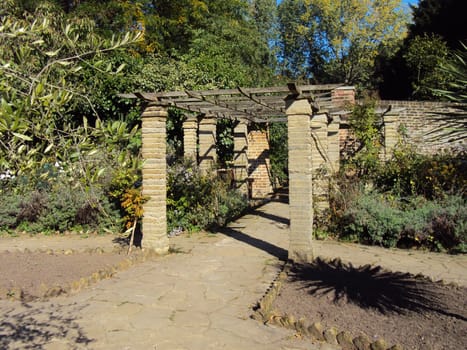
(338, 41)
(437, 34)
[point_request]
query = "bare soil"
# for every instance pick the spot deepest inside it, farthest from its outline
(30, 274)
(398, 307)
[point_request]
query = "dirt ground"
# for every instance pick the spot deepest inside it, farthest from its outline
(400, 308)
(31, 272)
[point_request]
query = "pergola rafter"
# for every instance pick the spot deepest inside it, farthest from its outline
(258, 105)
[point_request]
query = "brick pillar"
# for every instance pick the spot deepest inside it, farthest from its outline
(300, 180)
(240, 157)
(190, 138)
(154, 178)
(391, 135)
(334, 144)
(258, 168)
(207, 145)
(319, 156)
(343, 96)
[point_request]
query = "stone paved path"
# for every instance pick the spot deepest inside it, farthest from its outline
(200, 298)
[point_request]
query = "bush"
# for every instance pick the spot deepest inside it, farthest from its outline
(58, 206)
(380, 219)
(196, 202)
(409, 173)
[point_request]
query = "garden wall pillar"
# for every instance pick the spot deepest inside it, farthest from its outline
(320, 163)
(154, 178)
(391, 135)
(300, 180)
(343, 96)
(207, 156)
(240, 161)
(259, 166)
(334, 144)
(190, 138)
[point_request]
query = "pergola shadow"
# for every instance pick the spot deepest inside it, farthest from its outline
(278, 252)
(371, 287)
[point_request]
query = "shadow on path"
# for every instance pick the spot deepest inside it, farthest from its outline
(271, 217)
(34, 327)
(371, 287)
(269, 248)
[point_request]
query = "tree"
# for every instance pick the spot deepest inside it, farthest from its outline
(340, 40)
(41, 53)
(445, 18)
(424, 57)
(436, 30)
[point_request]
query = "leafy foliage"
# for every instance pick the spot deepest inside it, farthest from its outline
(389, 222)
(415, 68)
(40, 55)
(424, 58)
(412, 174)
(58, 207)
(195, 201)
(456, 68)
(365, 125)
(442, 17)
(279, 152)
(338, 41)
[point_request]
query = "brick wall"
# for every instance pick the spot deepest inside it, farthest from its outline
(259, 167)
(423, 123)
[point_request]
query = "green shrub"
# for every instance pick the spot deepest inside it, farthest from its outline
(388, 221)
(196, 202)
(365, 125)
(9, 209)
(373, 220)
(58, 206)
(409, 173)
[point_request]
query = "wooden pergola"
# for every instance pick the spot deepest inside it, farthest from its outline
(295, 104)
(258, 105)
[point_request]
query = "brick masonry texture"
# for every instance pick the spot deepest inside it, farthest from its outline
(154, 179)
(259, 166)
(423, 123)
(300, 180)
(207, 156)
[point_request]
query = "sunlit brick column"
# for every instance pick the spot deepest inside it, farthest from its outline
(343, 96)
(207, 156)
(240, 157)
(259, 166)
(319, 150)
(190, 138)
(154, 178)
(300, 180)
(334, 144)
(391, 135)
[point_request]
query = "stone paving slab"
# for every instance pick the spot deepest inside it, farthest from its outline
(199, 298)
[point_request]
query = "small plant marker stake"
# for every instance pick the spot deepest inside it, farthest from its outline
(132, 237)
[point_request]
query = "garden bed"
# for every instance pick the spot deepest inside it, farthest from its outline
(29, 275)
(371, 303)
